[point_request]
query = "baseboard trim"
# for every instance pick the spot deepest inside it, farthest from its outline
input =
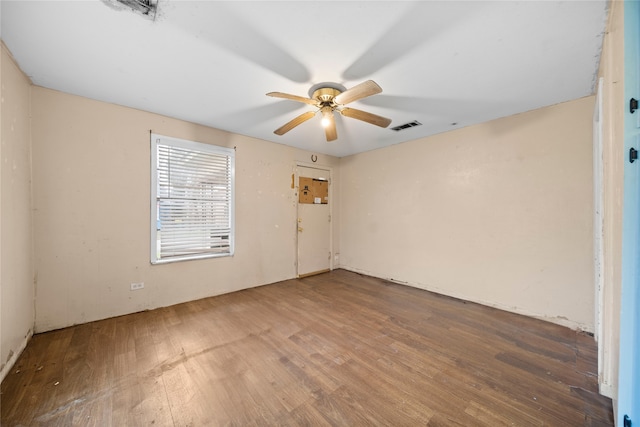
(576, 326)
(606, 390)
(14, 357)
(314, 273)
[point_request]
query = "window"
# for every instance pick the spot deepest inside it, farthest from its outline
(192, 200)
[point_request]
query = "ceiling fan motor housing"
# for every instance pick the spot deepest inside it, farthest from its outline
(325, 95)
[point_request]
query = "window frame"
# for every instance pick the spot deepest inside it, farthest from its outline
(156, 141)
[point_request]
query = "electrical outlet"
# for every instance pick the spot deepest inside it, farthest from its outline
(136, 286)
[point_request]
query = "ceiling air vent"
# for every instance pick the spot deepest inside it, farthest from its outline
(146, 8)
(406, 126)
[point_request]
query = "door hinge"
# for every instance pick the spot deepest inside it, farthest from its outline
(633, 105)
(633, 155)
(627, 421)
(329, 218)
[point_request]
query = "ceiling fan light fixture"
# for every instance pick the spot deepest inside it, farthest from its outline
(327, 113)
(330, 97)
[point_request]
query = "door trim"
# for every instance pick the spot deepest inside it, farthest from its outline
(598, 237)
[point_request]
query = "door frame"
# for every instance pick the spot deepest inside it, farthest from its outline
(296, 180)
(598, 239)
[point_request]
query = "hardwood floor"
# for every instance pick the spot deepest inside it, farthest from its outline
(333, 349)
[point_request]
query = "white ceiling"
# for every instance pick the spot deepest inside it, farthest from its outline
(212, 62)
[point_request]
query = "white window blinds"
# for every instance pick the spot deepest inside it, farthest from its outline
(192, 200)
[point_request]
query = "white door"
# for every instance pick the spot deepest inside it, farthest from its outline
(628, 411)
(314, 228)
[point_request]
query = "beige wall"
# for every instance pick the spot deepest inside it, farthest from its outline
(612, 72)
(91, 163)
(16, 261)
(499, 213)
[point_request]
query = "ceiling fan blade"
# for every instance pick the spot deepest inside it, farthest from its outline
(330, 129)
(295, 122)
(292, 97)
(374, 119)
(360, 91)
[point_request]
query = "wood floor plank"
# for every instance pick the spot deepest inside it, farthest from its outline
(338, 348)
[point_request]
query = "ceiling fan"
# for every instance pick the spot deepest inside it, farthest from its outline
(330, 97)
